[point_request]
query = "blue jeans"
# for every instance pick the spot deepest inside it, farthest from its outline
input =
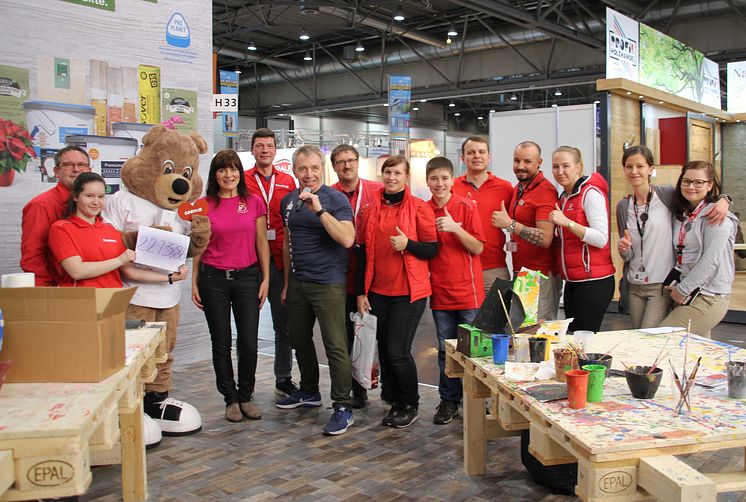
(283, 351)
(220, 295)
(446, 323)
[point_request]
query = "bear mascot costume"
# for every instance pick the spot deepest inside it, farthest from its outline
(163, 175)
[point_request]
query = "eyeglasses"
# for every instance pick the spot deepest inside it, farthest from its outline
(79, 165)
(685, 182)
(349, 162)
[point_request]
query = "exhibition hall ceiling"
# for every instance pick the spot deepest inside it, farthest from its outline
(298, 56)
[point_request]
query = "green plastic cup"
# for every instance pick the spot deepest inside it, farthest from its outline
(596, 379)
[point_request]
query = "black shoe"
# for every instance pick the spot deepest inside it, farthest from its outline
(285, 388)
(389, 417)
(445, 412)
(359, 399)
(152, 403)
(406, 416)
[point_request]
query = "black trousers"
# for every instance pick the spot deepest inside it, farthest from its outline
(587, 302)
(220, 295)
(397, 323)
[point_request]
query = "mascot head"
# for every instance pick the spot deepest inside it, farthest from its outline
(166, 170)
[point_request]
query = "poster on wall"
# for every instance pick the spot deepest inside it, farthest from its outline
(229, 85)
(736, 98)
(400, 90)
(179, 106)
(14, 90)
(622, 46)
(149, 78)
(61, 80)
(674, 67)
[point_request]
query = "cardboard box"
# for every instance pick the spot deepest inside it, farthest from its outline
(63, 334)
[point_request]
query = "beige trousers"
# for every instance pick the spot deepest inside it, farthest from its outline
(705, 313)
(648, 305)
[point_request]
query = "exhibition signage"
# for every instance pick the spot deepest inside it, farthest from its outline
(229, 85)
(98, 4)
(224, 103)
(639, 53)
(400, 91)
(737, 87)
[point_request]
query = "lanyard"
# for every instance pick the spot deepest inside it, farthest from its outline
(685, 227)
(641, 228)
(359, 199)
(519, 195)
(264, 193)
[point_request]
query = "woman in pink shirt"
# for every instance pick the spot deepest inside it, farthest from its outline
(233, 273)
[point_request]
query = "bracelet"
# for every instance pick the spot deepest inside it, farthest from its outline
(320, 212)
(171, 278)
(511, 228)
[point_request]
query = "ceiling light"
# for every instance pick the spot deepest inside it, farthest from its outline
(303, 34)
(554, 105)
(451, 104)
(660, 102)
(385, 104)
(480, 118)
(449, 41)
(641, 96)
(307, 57)
(457, 114)
(513, 97)
(238, 70)
(597, 102)
(492, 111)
(359, 47)
(423, 101)
(557, 92)
(452, 30)
(415, 108)
(251, 46)
(398, 15)
(628, 93)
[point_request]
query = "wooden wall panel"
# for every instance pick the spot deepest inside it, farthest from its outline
(700, 140)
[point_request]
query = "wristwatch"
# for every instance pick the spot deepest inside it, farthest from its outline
(511, 228)
(570, 225)
(320, 212)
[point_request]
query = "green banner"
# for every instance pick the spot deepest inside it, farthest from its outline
(179, 106)
(14, 90)
(97, 4)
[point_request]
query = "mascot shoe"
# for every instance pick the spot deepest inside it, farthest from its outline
(176, 418)
(151, 432)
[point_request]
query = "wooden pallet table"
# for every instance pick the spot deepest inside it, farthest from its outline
(625, 448)
(51, 433)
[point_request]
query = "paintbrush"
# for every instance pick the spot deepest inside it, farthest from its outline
(658, 358)
(610, 350)
(678, 385)
(689, 384)
(507, 315)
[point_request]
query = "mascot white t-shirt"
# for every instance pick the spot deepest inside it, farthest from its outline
(128, 212)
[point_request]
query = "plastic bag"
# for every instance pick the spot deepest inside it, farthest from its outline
(364, 355)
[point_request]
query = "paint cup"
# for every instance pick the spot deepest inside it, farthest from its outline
(577, 388)
(564, 358)
(736, 379)
(583, 338)
(521, 349)
(642, 382)
(596, 358)
(500, 344)
(537, 349)
(596, 380)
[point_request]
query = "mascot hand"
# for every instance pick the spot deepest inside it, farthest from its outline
(129, 239)
(200, 234)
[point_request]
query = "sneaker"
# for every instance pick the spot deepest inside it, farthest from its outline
(340, 420)
(445, 412)
(406, 416)
(285, 388)
(233, 413)
(389, 416)
(359, 399)
(250, 410)
(299, 399)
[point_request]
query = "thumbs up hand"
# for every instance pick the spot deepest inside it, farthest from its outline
(558, 217)
(399, 241)
(501, 218)
(446, 223)
(625, 243)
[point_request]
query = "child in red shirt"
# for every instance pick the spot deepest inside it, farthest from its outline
(455, 273)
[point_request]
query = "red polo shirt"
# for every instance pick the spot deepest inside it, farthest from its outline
(38, 216)
(98, 242)
(488, 198)
(535, 203)
(369, 188)
(278, 186)
(456, 274)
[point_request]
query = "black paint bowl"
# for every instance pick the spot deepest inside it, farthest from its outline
(642, 382)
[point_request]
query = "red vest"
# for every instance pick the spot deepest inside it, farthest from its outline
(418, 273)
(578, 260)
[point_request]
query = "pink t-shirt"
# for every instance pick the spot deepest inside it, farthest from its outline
(233, 238)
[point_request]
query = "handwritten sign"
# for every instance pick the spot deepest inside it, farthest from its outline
(161, 249)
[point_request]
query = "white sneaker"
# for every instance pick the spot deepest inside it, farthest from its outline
(177, 418)
(151, 432)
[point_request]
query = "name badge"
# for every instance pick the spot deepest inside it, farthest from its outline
(271, 234)
(511, 247)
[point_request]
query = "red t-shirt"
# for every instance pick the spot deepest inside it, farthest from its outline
(283, 185)
(535, 203)
(370, 188)
(390, 274)
(98, 242)
(456, 274)
(488, 198)
(38, 216)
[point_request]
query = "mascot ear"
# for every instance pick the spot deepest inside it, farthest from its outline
(199, 141)
(153, 134)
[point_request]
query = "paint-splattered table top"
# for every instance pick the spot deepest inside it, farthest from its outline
(57, 410)
(622, 424)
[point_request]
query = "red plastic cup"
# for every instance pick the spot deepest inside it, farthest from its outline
(577, 388)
